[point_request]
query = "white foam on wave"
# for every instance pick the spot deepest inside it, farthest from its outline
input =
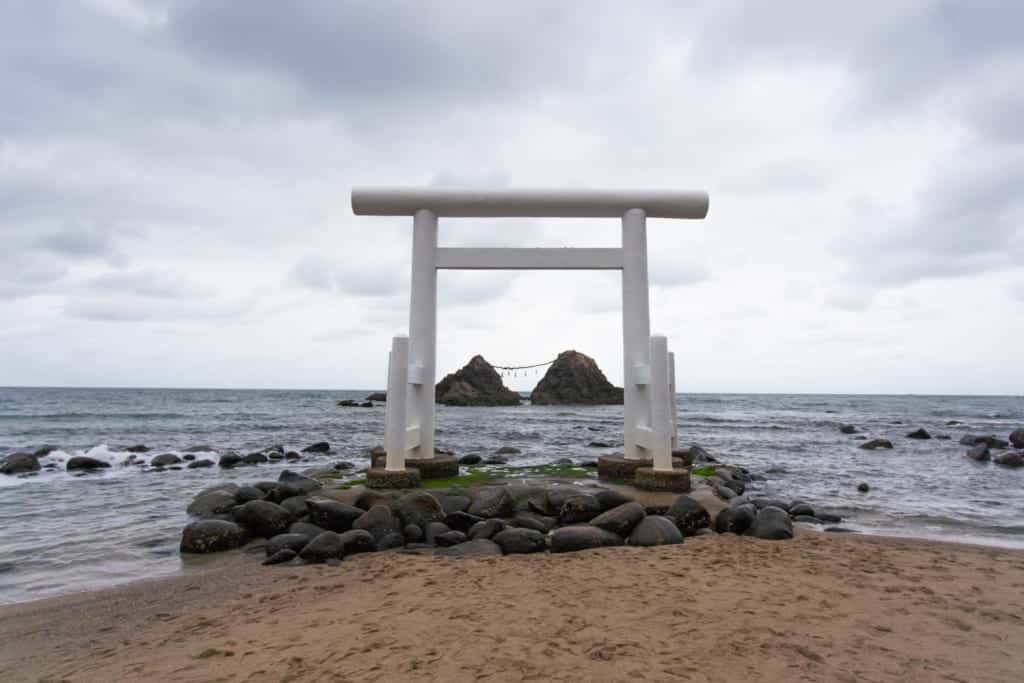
(121, 463)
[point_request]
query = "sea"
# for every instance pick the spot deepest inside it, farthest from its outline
(62, 532)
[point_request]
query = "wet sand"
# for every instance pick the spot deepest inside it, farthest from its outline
(719, 608)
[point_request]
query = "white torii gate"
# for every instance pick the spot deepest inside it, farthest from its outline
(648, 367)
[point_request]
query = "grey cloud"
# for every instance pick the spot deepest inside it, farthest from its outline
(344, 51)
(134, 309)
(78, 242)
(359, 276)
(148, 283)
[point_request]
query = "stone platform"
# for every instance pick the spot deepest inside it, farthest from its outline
(650, 479)
(438, 467)
(380, 478)
(619, 467)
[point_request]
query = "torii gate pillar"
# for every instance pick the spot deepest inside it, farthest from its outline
(649, 427)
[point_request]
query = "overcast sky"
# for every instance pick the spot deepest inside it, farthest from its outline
(175, 176)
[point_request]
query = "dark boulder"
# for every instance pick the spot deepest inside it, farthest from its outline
(199, 464)
(247, 493)
(378, 520)
(389, 541)
(1017, 438)
(370, 497)
(762, 502)
(1011, 459)
(165, 460)
(655, 530)
(356, 541)
(807, 519)
(875, 443)
(580, 508)
(797, 509)
(431, 530)
(461, 521)
(847, 429)
(19, 463)
(609, 498)
(574, 378)
(621, 519)
(476, 384)
(299, 482)
(493, 501)
(507, 450)
(772, 524)
(863, 487)
(470, 460)
(519, 541)
(229, 460)
(84, 462)
(495, 460)
(138, 448)
(262, 518)
(452, 504)
(572, 538)
(979, 453)
(700, 454)
(213, 502)
(44, 451)
(294, 542)
(332, 515)
(254, 458)
(531, 520)
(993, 442)
(323, 547)
(417, 507)
(305, 528)
(318, 447)
(735, 520)
(412, 533)
(476, 548)
(919, 434)
(280, 557)
(296, 506)
(211, 536)
(486, 529)
(688, 514)
(724, 492)
(378, 396)
(450, 538)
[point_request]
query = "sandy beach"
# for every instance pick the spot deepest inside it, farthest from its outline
(722, 608)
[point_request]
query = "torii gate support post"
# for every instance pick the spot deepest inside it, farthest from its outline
(636, 332)
(423, 332)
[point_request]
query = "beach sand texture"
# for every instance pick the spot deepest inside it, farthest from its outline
(723, 608)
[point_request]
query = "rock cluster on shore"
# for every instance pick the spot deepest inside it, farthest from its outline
(475, 384)
(304, 522)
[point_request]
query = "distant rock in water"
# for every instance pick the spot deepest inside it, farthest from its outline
(378, 396)
(574, 378)
(476, 384)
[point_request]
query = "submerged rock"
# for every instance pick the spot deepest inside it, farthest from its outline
(575, 378)
(198, 464)
(1017, 438)
(18, 463)
(919, 434)
(847, 429)
(378, 396)
(475, 384)
(979, 453)
(1012, 459)
(876, 443)
(84, 462)
(165, 460)
(318, 447)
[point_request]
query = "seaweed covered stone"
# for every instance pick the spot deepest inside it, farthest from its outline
(476, 384)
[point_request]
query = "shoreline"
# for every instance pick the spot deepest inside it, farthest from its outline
(216, 562)
(822, 606)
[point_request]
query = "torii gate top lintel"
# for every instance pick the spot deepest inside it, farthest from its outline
(527, 203)
(649, 428)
